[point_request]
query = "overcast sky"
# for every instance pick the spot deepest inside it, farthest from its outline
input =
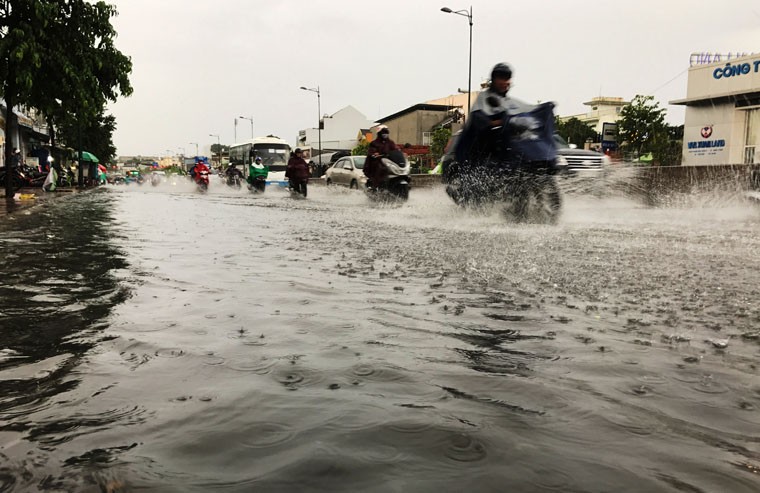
(199, 64)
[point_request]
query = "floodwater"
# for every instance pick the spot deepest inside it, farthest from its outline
(158, 339)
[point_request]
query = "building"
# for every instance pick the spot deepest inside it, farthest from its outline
(604, 109)
(722, 121)
(31, 136)
(457, 100)
(338, 132)
(415, 124)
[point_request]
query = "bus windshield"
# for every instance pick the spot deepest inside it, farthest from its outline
(272, 154)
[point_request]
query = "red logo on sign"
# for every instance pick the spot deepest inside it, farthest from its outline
(706, 131)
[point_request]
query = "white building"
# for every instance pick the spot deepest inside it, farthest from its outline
(603, 110)
(339, 132)
(722, 123)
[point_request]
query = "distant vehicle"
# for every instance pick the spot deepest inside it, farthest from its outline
(324, 160)
(347, 171)
(573, 161)
(134, 176)
(273, 151)
(157, 177)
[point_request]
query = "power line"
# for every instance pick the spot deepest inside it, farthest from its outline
(671, 80)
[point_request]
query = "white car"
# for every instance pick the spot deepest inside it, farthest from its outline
(347, 171)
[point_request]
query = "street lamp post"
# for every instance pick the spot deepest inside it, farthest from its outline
(250, 120)
(218, 147)
(319, 119)
(467, 14)
(196, 148)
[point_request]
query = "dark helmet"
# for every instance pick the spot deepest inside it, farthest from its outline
(501, 71)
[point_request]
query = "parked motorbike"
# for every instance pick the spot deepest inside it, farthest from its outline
(23, 176)
(511, 165)
(396, 186)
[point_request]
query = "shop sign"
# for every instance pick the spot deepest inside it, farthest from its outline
(736, 70)
(706, 146)
(707, 58)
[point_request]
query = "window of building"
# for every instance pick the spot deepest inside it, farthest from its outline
(427, 138)
(752, 137)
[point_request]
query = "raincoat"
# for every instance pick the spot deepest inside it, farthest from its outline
(527, 131)
(51, 180)
(199, 166)
(297, 169)
(255, 171)
(374, 168)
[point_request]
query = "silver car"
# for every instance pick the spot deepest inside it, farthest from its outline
(347, 171)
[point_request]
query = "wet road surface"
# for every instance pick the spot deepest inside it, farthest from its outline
(157, 339)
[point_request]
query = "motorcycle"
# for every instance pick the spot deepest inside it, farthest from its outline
(257, 184)
(201, 180)
(512, 165)
(23, 176)
(398, 182)
(234, 181)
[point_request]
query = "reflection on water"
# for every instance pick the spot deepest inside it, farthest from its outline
(230, 342)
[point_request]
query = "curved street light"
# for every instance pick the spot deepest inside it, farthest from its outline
(468, 14)
(319, 117)
(250, 119)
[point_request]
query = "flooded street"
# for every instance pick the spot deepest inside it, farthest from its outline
(158, 339)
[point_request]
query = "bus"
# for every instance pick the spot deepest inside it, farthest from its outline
(273, 151)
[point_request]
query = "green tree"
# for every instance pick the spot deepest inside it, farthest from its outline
(667, 148)
(59, 57)
(440, 138)
(361, 149)
(575, 131)
(215, 148)
(641, 124)
(96, 136)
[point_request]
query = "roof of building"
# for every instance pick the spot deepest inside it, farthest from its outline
(739, 96)
(607, 101)
(412, 109)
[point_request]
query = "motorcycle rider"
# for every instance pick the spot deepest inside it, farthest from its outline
(197, 169)
(508, 139)
(231, 172)
(257, 172)
(374, 169)
(297, 172)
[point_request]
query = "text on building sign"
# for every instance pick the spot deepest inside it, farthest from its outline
(736, 70)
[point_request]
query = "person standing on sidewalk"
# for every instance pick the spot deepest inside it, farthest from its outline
(297, 172)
